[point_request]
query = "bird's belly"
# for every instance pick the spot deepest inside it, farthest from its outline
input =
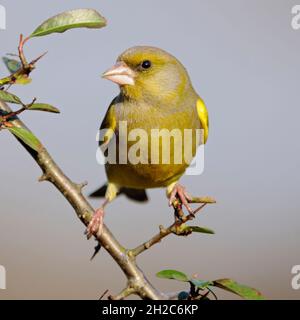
(151, 163)
(144, 176)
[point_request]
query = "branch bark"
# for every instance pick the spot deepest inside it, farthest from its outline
(137, 283)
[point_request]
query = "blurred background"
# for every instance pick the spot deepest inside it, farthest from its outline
(243, 59)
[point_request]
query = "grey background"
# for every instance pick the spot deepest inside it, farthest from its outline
(243, 58)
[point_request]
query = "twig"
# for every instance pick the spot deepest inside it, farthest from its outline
(21, 51)
(173, 228)
(12, 114)
(26, 67)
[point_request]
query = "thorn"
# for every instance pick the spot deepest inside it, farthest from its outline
(193, 214)
(31, 103)
(103, 294)
(87, 234)
(97, 249)
(198, 209)
(147, 245)
(80, 186)
(8, 87)
(38, 58)
(43, 177)
(162, 229)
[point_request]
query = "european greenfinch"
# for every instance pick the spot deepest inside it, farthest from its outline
(155, 93)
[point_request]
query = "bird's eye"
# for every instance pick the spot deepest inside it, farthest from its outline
(146, 64)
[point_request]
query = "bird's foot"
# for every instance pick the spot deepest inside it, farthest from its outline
(180, 193)
(96, 224)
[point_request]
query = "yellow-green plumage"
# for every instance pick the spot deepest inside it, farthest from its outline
(161, 98)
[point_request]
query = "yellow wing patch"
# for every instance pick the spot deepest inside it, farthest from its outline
(203, 116)
(108, 127)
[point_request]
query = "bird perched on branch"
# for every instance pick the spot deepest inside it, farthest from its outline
(155, 93)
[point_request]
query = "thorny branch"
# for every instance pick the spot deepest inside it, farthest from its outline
(137, 283)
(73, 194)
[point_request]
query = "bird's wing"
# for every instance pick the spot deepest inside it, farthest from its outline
(108, 126)
(203, 117)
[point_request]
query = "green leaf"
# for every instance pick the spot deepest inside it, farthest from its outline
(9, 97)
(201, 229)
(201, 284)
(44, 107)
(27, 137)
(185, 230)
(79, 18)
(239, 289)
(11, 64)
(173, 274)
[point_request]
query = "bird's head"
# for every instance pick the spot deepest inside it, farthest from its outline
(149, 73)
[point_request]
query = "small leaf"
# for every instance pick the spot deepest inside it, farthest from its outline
(201, 229)
(43, 107)
(183, 230)
(201, 284)
(9, 97)
(11, 64)
(183, 295)
(79, 18)
(26, 136)
(239, 289)
(173, 274)
(203, 200)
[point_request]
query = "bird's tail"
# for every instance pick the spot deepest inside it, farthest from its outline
(139, 195)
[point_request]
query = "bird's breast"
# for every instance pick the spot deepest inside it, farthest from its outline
(153, 147)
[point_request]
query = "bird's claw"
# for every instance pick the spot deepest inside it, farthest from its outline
(180, 193)
(96, 224)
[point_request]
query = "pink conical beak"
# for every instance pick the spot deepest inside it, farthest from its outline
(120, 73)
